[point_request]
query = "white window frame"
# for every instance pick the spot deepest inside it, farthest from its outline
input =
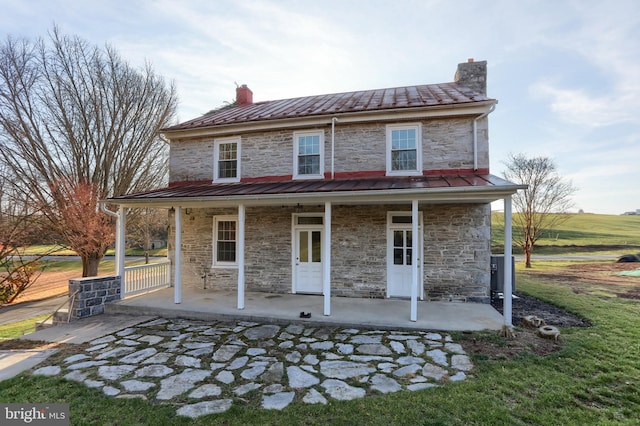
(216, 158)
(216, 220)
(296, 135)
(418, 128)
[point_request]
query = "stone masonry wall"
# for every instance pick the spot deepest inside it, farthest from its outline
(93, 293)
(447, 143)
(457, 244)
(191, 160)
(456, 250)
(359, 245)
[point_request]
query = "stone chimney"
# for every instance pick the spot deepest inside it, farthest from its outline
(473, 75)
(244, 95)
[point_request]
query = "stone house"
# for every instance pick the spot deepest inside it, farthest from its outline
(371, 194)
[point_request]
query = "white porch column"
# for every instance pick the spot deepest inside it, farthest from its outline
(508, 285)
(177, 279)
(414, 260)
(121, 232)
(326, 256)
(241, 214)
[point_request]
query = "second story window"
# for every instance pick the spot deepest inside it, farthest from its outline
(226, 163)
(404, 150)
(308, 155)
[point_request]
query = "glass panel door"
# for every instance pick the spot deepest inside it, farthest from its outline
(308, 261)
(402, 247)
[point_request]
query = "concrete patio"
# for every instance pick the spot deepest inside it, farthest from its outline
(384, 314)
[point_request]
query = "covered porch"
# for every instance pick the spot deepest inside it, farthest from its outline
(347, 312)
(326, 308)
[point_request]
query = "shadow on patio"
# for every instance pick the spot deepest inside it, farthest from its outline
(286, 308)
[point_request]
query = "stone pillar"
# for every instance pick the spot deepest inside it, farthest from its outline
(91, 294)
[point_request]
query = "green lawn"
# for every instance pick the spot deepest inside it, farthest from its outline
(593, 233)
(593, 379)
(16, 329)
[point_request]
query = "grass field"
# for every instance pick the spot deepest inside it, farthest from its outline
(593, 379)
(63, 251)
(580, 233)
(16, 329)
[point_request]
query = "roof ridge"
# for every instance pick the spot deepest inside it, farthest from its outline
(421, 95)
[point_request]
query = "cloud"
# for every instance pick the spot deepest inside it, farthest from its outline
(277, 51)
(604, 35)
(579, 106)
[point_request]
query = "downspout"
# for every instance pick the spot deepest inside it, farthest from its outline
(105, 210)
(475, 135)
(119, 258)
(334, 120)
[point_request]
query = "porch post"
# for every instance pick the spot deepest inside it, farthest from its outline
(414, 260)
(508, 285)
(241, 214)
(177, 279)
(121, 226)
(326, 275)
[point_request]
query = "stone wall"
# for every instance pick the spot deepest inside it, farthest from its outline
(456, 262)
(457, 244)
(359, 245)
(447, 143)
(93, 293)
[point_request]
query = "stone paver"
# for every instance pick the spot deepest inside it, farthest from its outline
(206, 365)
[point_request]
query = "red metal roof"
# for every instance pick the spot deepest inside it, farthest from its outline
(213, 191)
(367, 100)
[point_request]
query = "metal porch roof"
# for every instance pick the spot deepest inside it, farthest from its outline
(474, 186)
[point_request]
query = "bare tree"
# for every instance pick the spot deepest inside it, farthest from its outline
(77, 119)
(18, 226)
(147, 225)
(543, 205)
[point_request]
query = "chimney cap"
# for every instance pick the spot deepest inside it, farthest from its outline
(470, 60)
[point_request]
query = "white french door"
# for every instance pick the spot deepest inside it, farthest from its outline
(399, 255)
(307, 259)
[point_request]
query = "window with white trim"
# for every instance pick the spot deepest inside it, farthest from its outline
(226, 160)
(308, 155)
(404, 149)
(225, 242)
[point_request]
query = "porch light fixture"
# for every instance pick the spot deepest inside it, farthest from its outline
(187, 211)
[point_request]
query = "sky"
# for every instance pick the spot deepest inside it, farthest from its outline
(566, 73)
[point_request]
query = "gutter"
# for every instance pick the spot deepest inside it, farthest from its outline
(413, 113)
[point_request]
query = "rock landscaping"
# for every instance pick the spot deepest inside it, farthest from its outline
(204, 367)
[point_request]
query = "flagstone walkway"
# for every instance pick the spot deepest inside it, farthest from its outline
(212, 365)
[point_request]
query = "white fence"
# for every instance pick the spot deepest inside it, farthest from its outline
(138, 279)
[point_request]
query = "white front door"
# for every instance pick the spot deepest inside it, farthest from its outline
(307, 262)
(399, 255)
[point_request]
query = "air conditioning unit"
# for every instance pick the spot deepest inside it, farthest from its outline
(497, 275)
